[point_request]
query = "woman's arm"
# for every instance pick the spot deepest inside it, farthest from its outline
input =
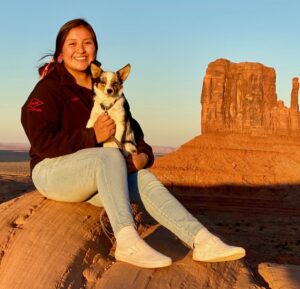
(41, 119)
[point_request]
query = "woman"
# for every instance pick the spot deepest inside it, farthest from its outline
(68, 163)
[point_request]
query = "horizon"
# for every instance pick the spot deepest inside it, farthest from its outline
(169, 45)
(26, 146)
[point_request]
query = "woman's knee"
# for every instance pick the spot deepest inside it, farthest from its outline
(110, 159)
(145, 175)
(148, 183)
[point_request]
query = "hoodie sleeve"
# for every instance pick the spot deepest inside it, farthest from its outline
(41, 119)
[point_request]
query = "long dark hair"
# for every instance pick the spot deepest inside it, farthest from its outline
(60, 40)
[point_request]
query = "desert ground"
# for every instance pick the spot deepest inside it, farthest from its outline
(272, 242)
(14, 174)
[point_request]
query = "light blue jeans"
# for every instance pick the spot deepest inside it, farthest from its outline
(99, 176)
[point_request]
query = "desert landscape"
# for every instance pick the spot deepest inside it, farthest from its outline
(240, 177)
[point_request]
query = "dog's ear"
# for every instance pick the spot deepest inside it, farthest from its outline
(124, 72)
(96, 70)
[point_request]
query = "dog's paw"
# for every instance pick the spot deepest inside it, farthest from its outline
(110, 144)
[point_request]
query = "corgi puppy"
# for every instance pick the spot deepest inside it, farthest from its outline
(109, 98)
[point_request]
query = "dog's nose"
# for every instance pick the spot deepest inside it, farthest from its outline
(109, 91)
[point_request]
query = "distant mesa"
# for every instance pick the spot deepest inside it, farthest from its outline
(249, 143)
(241, 98)
(14, 146)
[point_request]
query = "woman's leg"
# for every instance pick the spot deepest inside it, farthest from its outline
(166, 209)
(76, 177)
(163, 206)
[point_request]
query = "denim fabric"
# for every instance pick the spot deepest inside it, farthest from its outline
(99, 176)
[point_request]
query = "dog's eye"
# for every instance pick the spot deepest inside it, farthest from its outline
(96, 84)
(100, 82)
(115, 84)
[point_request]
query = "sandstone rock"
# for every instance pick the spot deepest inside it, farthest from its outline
(242, 148)
(281, 276)
(294, 111)
(184, 272)
(47, 244)
(241, 176)
(216, 159)
(294, 94)
(241, 98)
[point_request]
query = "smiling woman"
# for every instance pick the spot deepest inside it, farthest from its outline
(70, 164)
(76, 46)
(77, 53)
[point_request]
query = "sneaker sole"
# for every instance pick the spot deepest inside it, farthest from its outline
(147, 265)
(230, 257)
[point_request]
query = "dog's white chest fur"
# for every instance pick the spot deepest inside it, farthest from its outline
(106, 104)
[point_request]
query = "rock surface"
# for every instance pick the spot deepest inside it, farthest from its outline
(243, 187)
(242, 175)
(241, 98)
(47, 244)
(281, 276)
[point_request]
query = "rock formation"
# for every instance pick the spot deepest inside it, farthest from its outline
(243, 173)
(241, 98)
(294, 110)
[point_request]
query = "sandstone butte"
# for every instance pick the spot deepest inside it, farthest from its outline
(240, 177)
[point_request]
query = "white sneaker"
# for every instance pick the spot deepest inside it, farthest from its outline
(142, 255)
(214, 249)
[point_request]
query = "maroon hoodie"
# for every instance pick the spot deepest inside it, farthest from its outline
(55, 115)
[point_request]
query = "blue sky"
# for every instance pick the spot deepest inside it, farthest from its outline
(168, 43)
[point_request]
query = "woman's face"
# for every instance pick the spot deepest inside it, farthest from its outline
(78, 50)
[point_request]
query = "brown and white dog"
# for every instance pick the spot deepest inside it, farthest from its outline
(109, 98)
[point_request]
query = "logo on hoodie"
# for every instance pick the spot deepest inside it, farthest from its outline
(35, 104)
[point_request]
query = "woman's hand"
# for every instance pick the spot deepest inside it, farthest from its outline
(104, 127)
(136, 162)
